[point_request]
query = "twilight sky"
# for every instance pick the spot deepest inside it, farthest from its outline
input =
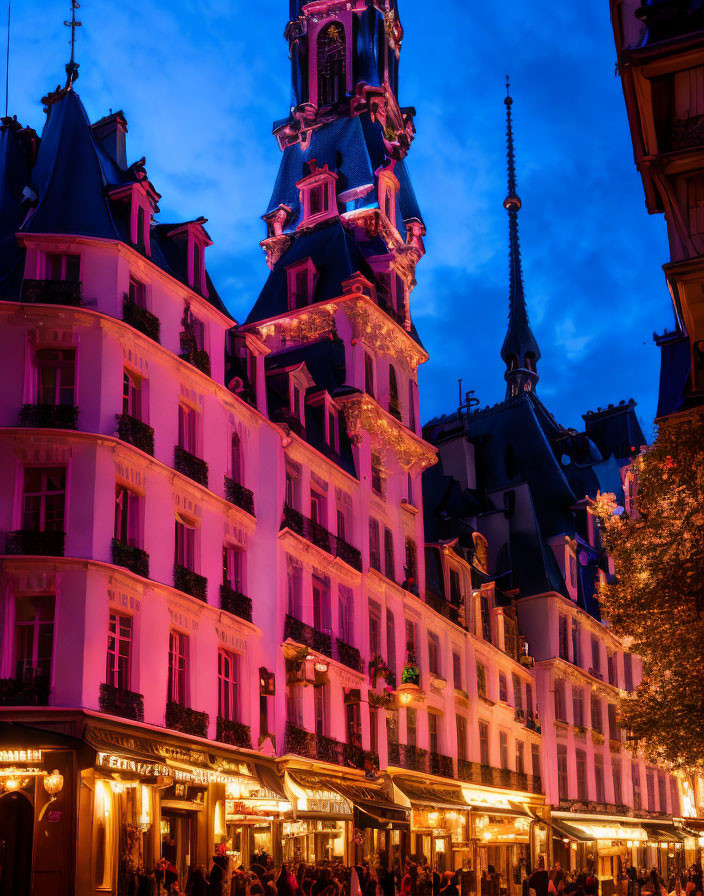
(200, 82)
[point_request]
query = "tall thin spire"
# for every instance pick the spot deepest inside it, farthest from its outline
(520, 350)
(72, 66)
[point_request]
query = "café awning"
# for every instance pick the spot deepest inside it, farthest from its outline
(661, 832)
(373, 808)
(314, 797)
(434, 796)
(587, 830)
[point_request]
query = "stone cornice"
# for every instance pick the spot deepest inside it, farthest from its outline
(388, 436)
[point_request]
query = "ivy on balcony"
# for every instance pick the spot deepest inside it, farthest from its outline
(301, 633)
(441, 765)
(35, 543)
(49, 416)
(197, 357)
(52, 292)
(118, 702)
(32, 691)
(190, 465)
(141, 319)
(235, 603)
(190, 582)
(135, 432)
(238, 495)
(132, 558)
(349, 656)
(233, 733)
(320, 537)
(299, 741)
(186, 720)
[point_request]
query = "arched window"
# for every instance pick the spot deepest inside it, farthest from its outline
(369, 375)
(237, 465)
(332, 64)
(394, 403)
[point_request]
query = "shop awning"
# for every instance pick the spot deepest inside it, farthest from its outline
(586, 831)
(422, 793)
(667, 833)
(373, 809)
(315, 797)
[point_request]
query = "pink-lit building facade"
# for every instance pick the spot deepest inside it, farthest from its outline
(224, 625)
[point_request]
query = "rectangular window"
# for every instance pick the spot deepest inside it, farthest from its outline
(411, 727)
(483, 743)
(389, 567)
(520, 757)
(560, 714)
(674, 797)
(562, 780)
(321, 605)
(616, 772)
(321, 710)
(503, 749)
(331, 435)
(457, 671)
(563, 638)
(576, 643)
(433, 653)
(318, 199)
(374, 729)
(535, 761)
(44, 499)
(577, 705)
(461, 727)
(481, 679)
(455, 590)
(529, 700)
(614, 727)
(55, 376)
(635, 778)
(318, 503)
(611, 667)
(596, 714)
(374, 545)
(117, 673)
(369, 375)
(341, 524)
(354, 724)
(411, 637)
(486, 617)
(650, 784)
(127, 516)
(503, 688)
(374, 629)
(63, 267)
(185, 548)
(131, 395)
(391, 641)
(299, 287)
(34, 637)
(581, 775)
(188, 428)
(233, 568)
(662, 792)
(294, 590)
(411, 565)
(596, 655)
(345, 613)
(294, 708)
(599, 777)
(377, 475)
(433, 735)
(138, 293)
(628, 671)
(178, 668)
(228, 668)
(517, 697)
(197, 265)
(141, 229)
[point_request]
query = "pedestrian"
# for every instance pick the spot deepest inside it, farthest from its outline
(540, 879)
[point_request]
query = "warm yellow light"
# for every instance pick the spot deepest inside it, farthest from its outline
(574, 847)
(233, 789)
(405, 697)
(487, 835)
(145, 818)
(102, 797)
(12, 784)
(220, 830)
(54, 783)
(433, 819)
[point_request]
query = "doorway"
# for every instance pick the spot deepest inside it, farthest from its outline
(178, 841)
(16, 834)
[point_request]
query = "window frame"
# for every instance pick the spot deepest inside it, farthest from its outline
(120, 632)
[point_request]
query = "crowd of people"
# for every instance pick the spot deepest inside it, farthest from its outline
(382, 878)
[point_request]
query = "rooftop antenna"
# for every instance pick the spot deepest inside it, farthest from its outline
(7, 61)
(72, 67)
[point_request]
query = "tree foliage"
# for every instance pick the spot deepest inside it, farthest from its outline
(656, 599)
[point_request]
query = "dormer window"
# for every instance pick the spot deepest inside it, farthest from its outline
(388, 190)
(142, 200)
(332, 435)
(66, 268)
(197, 240)
(328, 418)
(301, 284)
(332, 64)
(318, 194)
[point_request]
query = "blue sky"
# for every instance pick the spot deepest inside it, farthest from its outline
(201, 83)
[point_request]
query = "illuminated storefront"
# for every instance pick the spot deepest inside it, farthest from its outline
(320, 826)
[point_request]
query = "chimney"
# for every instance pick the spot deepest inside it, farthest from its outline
(110, 132)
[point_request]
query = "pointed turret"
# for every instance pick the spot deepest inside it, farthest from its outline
(520, 350)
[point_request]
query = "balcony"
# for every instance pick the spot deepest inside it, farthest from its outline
(413, 758)
(141, 319)
(443, 607)
(669, 19)
(49, 416)
(197, 357)
(326, 749)
(190, 465)
(190, 582)
(28, 691)
(235, 603)
(135, 432)
(348, 656)
(320, 537)
(132, 558)
(119, 702)
(239, 495)
(441, 765)
(474, 773)
(186, 720)
(233, 733)
(52, 292)
(304, 634)
(299, 741)
(35, 543)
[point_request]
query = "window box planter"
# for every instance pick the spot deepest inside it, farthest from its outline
(299, 741)
(233, 733)
(141, 319)
(29, 692)
(190, 582)
(239, 495)
(190, 465)
(197, 357)
(441, 765)
(414, 759)
(49, 416)
(136, 433)
(31, 542)
(235, 603)
(52, 292)
(186, 720)
(117, 702)
(132, 558)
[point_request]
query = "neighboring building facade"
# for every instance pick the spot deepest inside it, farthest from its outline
(512, 474)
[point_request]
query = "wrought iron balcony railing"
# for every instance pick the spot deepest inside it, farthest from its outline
(197, 357)
(132, 558)
(304, 634)
(190, 582)
(135, 432)
(49, 416)
(187, 720)
(349, 656)
(35, 543)
(52, 292)
(233, 733)
(319, 536)
(236, 603)
(141, 319)
(238, 495)
(190, 465)
(119, 702)
(326, 749)
(28, 691)
(442, 606)
(475, 773)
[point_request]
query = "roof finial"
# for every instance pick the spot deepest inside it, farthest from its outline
(520, 350)
(72, 66)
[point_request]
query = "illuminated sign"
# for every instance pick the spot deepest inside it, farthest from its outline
(148, 769)
(20, 755)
